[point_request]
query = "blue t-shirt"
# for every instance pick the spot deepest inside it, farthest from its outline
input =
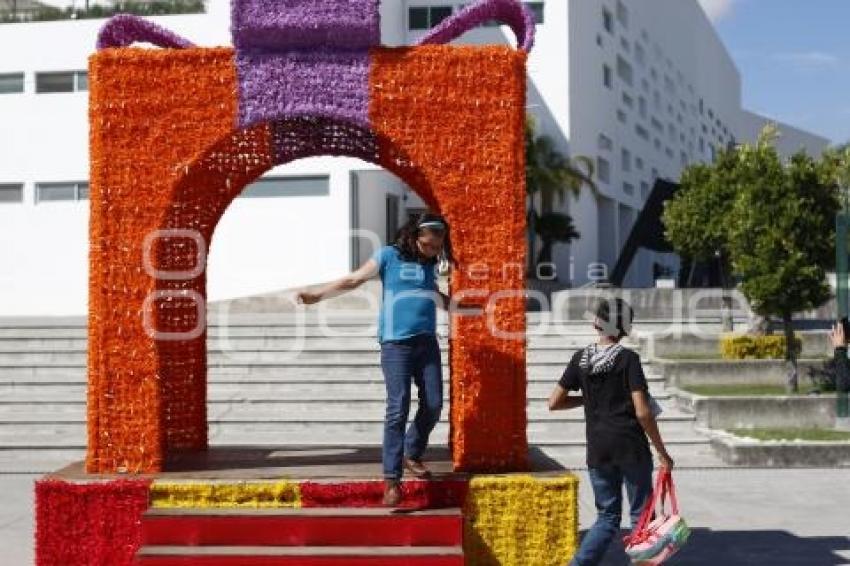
(408, 302)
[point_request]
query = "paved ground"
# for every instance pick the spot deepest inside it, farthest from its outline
(740, 517)
(755, 517)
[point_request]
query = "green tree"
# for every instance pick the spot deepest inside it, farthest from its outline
(550, 177)
(553, 227)
(836, 164)
(695, 220)
(780, 236)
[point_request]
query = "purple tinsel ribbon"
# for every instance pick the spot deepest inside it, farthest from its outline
(123, 30)
(511, 12)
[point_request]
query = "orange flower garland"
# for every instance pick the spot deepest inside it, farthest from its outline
(169, 154)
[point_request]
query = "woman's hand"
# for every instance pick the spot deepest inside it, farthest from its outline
(836, 335)
(307, 297)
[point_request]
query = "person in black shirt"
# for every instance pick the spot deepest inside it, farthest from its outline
(838, 337)
(619, 417)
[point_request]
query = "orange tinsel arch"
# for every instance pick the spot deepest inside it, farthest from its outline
(168, 157)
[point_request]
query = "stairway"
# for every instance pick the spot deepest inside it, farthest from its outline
(275, 383)
(307, 537)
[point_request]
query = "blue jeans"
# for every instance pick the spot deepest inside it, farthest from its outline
(607, 482)
(415, 359)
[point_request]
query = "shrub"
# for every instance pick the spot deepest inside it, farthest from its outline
(748, 347)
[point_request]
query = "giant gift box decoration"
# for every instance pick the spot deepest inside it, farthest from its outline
(178, 132)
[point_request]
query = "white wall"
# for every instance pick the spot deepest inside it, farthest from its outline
(267, 244)
(678, 43)
(373, 188)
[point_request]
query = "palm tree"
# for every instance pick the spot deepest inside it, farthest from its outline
(553, 227)
(550, 175)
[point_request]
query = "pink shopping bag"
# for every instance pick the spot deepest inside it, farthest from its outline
(653, 541)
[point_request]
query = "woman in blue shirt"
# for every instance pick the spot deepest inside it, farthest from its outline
(408, 336)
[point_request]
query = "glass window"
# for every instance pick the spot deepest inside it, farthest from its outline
(605, 142)
(607, 20)
(606, 76)
(626, 160)
(55, 82)
(622, 14)
(628, 188)
(11, 192)
(624, 70)
(439, 13)
(288, 187)
(417, 18)
(55, 191)
(603, 169)
(11, 83)
(640, 54)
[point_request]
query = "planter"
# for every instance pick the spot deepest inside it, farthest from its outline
(760, 411)
(682, 373)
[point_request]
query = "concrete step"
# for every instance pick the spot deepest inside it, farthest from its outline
(286, 411)
(332, 329)
(27, 387)
(325, 356)
(283, 343)
(301, 556)
(14, 372)
(364, 430)
(63, 393)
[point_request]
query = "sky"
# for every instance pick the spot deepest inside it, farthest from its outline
(794, 59)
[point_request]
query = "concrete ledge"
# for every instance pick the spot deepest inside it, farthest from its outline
(759, 411)
(681, 373)
(782, 454)
(670, 345)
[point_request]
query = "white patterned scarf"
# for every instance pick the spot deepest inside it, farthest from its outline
(600, 359)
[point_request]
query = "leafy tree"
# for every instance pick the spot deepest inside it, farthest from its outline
(780, 236)
(553, 227)
(695, 220)
(772, 221)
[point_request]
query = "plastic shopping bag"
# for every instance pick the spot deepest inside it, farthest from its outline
(653, 541)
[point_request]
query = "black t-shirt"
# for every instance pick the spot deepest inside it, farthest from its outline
(614, 434)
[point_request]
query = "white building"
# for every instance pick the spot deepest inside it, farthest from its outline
(641, 86)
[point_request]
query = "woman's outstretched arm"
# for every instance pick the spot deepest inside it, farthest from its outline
(317, 293)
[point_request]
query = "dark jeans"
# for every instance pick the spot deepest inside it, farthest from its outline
(607, 482)
(415, 359)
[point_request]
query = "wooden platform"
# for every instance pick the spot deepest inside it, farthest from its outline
(246, 463)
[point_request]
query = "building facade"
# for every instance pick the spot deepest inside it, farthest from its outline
(643, 87)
